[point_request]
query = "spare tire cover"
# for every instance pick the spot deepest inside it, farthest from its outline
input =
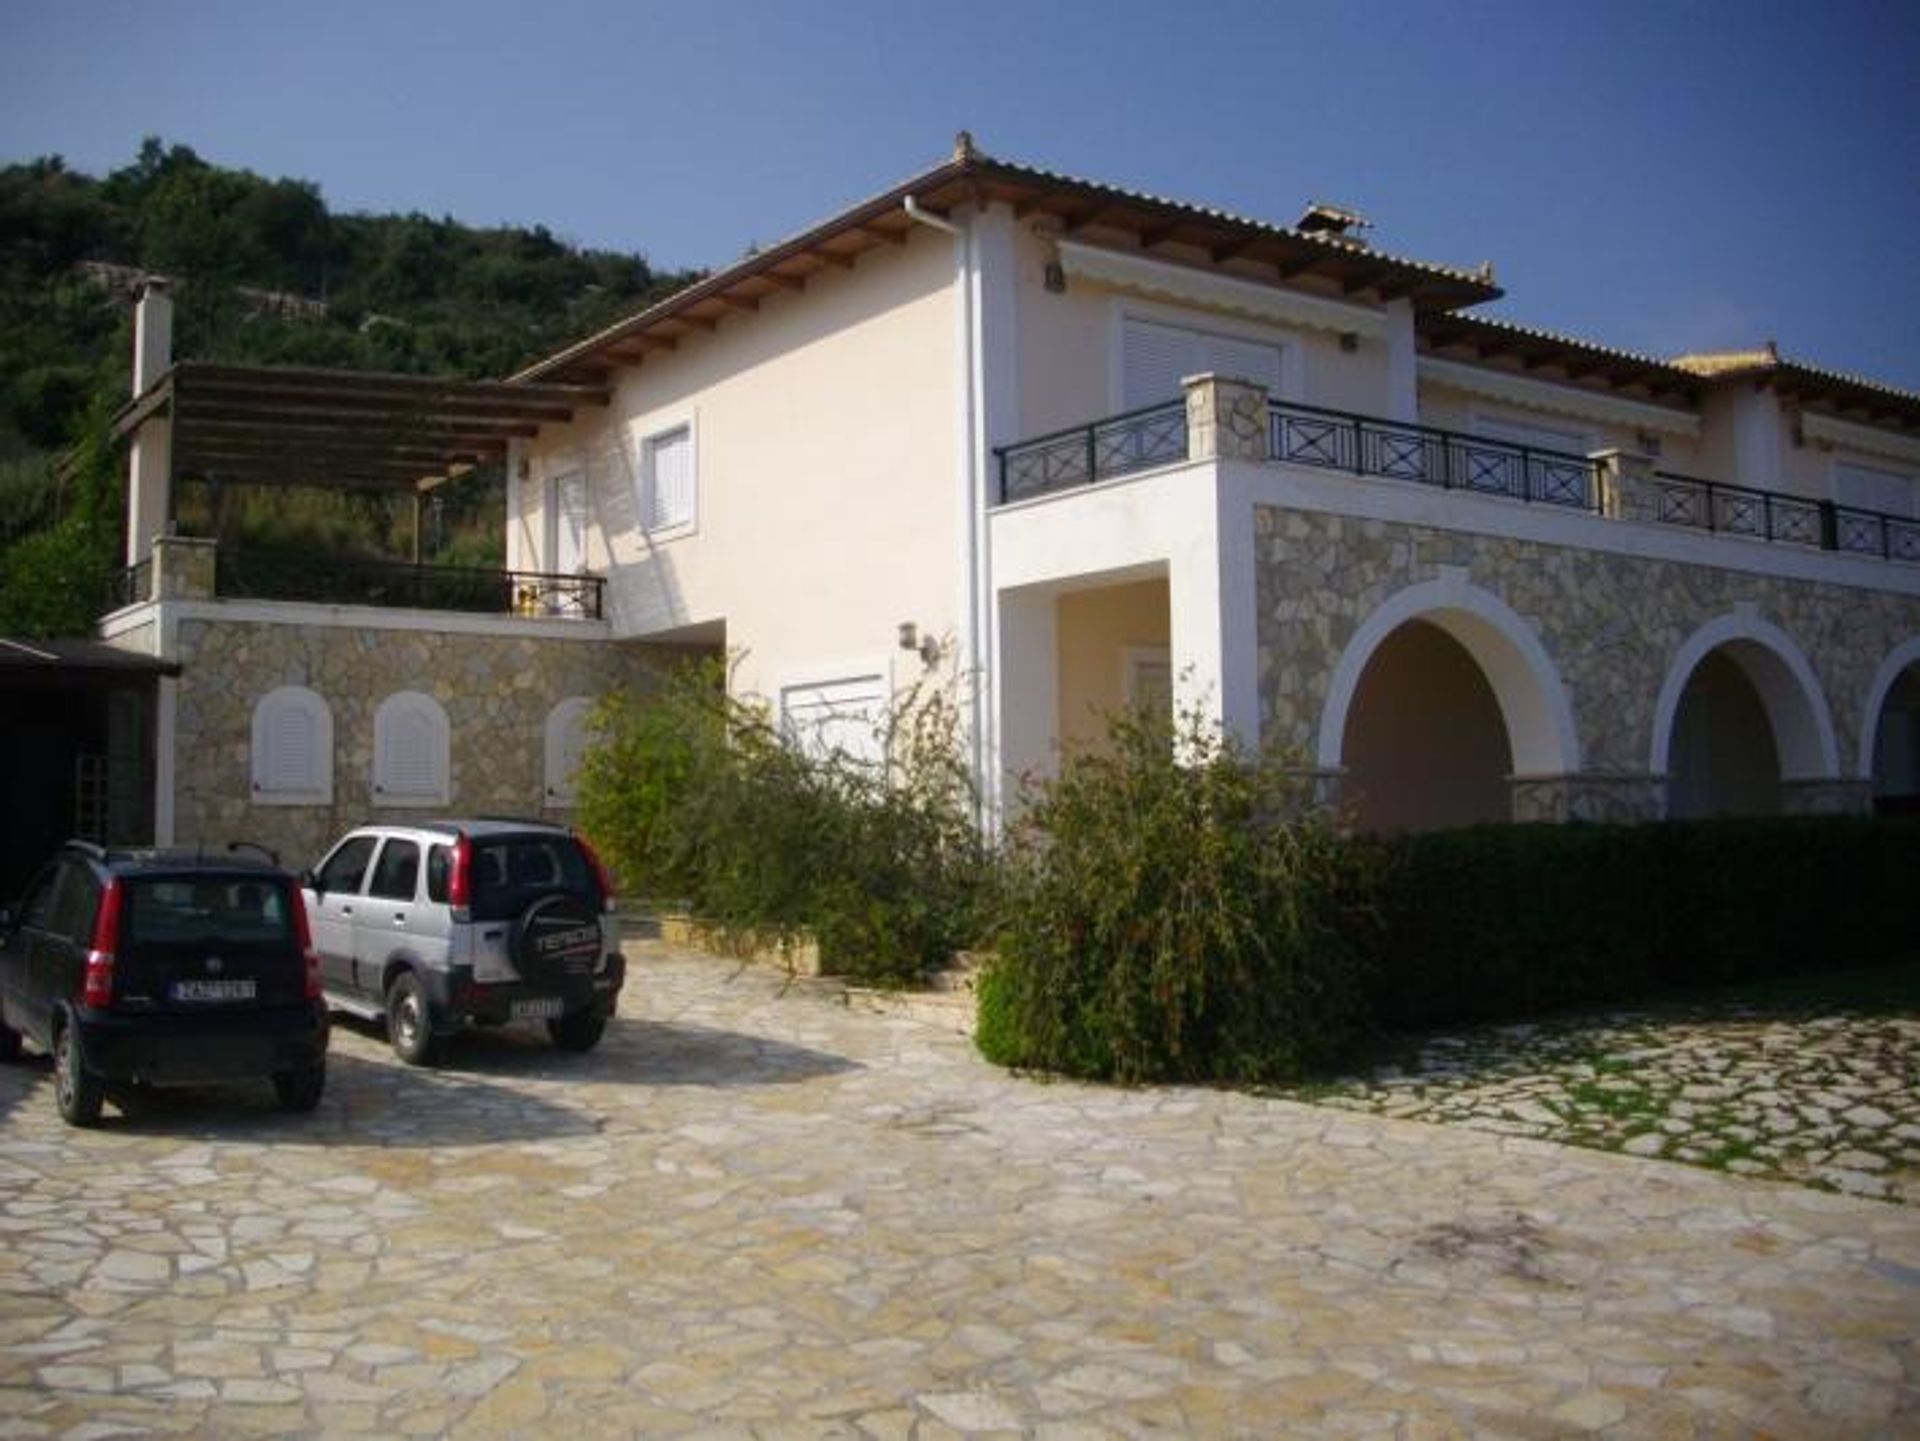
(557, 937)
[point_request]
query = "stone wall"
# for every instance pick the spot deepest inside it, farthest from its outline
(1612, 625)
(496, 689)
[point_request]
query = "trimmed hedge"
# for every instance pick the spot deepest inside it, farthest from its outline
(1495, 922)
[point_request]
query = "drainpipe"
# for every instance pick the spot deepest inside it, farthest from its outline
(972, 642)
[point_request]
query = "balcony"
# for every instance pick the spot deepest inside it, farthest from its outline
(184, 568)
(1334, 440)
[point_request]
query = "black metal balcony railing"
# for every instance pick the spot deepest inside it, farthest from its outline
(1736, 510)
(131, 585)
(256, 575)
(1336, 440)
(1361, 445)
(1867, 532)
(1137, 440)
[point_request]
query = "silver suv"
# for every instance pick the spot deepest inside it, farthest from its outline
(441, 923)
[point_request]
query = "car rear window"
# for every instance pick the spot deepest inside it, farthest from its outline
(229, 910)
(511, 872)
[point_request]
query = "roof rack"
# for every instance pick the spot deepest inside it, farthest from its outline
(92, 848)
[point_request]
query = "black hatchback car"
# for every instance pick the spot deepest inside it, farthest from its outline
(160, 968)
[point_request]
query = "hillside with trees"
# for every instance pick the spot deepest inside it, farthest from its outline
(264, 273)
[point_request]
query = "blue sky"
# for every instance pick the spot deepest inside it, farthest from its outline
(1654, 176)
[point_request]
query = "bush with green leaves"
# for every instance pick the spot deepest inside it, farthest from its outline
(1173, 910)
(697, 799)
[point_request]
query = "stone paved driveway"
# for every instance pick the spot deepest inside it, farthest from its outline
(766, 1215)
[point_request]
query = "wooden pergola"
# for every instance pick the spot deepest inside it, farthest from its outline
(342, 430)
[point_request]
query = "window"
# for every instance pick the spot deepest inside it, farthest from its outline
(292, 749)
(218, 910)
(1147, 681)
(1156, 358)
(1564, 439)
(1866, 487)
(439, 866)
(347, 866)
(410, 751)
(666, 480)
(73, 905)
(569, 523)
(510, 874)
(397, 876)
(566, 742)
(845, 717)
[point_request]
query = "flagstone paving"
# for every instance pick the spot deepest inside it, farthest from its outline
(1822, 1100)
(757, 1213)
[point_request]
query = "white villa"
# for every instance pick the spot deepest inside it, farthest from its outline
(1081, 446)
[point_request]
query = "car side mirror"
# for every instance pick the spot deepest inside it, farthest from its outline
(311, 882)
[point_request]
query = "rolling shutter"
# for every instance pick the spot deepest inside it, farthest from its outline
(292, 749)
(410, 751)
(1156, 358)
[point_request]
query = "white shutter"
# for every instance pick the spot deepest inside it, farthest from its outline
(292, 748)
(845, 716)
(1863, 487)
(1155, 359)
(410, 751)
(570, 519)
(1243, 360)
(668, 480)
(1533, 436)
(289, 762)
(566, 743)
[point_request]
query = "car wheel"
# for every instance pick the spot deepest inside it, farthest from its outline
(580, 1031)
(76, 1090)
(300, 1090)
(410, 1021)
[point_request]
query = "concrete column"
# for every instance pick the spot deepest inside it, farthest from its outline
(1757, 437)
(1226, 418)
(1403, 364)
(150, 466)
(1627, 487)
(1028, 733)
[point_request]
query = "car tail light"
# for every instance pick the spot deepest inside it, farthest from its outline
(303, 936)
(460, 875)
(96, 986)
(600, 872)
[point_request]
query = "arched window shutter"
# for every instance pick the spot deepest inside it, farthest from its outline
(292, 748)
(410, 741)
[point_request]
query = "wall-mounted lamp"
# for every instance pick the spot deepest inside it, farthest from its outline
(911, 639)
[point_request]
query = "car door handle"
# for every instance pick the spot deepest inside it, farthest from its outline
(346, 910)
(399, 918)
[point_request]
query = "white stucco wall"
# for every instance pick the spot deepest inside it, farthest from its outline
(824, 429)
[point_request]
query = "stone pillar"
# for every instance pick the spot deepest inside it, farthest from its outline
(183, 568)
(1600, 796)
(1827, 796)
(1627, 489)
(1226, 419)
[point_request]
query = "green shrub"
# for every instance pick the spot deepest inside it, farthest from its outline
(1160, 922)
(1496, 922)
(696, 798)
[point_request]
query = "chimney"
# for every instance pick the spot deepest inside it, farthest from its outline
(152, 332)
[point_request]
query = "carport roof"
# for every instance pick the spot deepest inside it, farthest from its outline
(77, 658)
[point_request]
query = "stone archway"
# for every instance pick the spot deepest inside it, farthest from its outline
(1488, 664)
(1730, 676)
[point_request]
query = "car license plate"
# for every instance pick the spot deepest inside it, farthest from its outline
(241, 990)
(545, 1008)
